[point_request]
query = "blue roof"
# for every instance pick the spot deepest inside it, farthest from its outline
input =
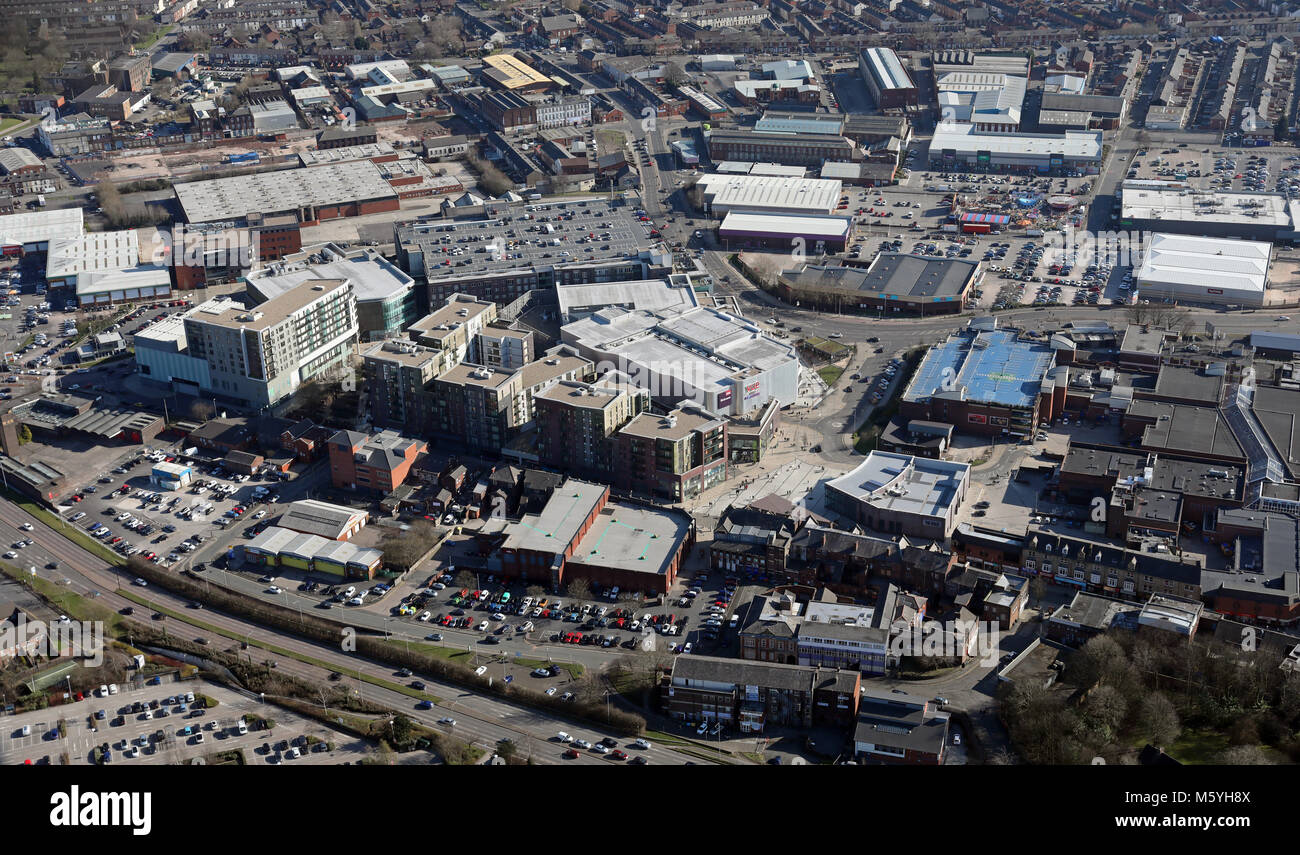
(995, 366)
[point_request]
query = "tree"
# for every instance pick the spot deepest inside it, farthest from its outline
(507, 749)
(675, 75)
(361, 43)
(578, 589)
(466, 579)
(402, 549)
(24, 435)
(1244, 755)
(194, 40)
(492, 181)
(202, 410)
(1157, 720)
(1104, 712)
(535, 591)
(1101, 660)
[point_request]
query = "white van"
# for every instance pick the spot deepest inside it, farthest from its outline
(241, 727)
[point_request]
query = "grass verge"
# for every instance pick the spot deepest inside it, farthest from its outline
(281, 651)
(830, 373)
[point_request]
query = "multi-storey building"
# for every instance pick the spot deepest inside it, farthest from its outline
(578, 423)
(749, 696)
(678, 456)
(257, 357)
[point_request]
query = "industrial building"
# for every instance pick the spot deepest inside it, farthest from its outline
(1204, 270)
(902, 495)
(721, 363)
(33, 231)
(992, 103)
(886, 78)
(962, 146)
(308, 195)
(799, 149)
(105, 267)
(581, 534)
(508, 72)
(1250, 216)
(981, 380)
(813, 233)
(283, 547)
(769, 194)
(894, 283)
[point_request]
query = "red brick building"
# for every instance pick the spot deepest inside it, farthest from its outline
(379, 463)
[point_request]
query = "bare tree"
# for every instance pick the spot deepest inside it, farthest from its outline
(466, 579)
(1157, 719)
(578, 589)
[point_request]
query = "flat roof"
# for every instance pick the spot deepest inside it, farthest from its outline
(31, 227)
(232, 314)
(783, 225)
(362, 151)
(1194, 206)
(915, 485)
(964, 140)
(629, 537)
(234, 198)
(618, 235)
(1185, 428)
(766, 193)
(653, 295)
(895, 275)
(992, 366)
(373, 277)
(1203, 262)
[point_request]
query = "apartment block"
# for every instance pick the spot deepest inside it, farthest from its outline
(380, 462)
(258, 357)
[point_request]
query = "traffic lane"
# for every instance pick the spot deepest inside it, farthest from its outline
(234, 631)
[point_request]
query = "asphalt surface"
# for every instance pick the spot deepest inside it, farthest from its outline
(480, 719)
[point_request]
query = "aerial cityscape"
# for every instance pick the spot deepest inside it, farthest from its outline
(600, 383)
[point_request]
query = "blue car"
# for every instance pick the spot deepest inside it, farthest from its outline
(424, 705)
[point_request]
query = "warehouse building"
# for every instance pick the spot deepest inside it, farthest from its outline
(895, 282)
(33, 231)
(769, 195)
(814, 234)
(982, 380)
(508, 72)
(104, 268)
(282, 547)
(961, 146)
(799, 149)
(308, 195)
(1204, 270)
(1250, 216)
(887, 81)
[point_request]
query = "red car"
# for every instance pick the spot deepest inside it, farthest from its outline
(617, 755)
(571, 754)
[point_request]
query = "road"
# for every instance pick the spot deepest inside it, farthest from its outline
(480, 719)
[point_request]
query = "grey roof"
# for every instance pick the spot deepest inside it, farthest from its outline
(739, 672)
(312, 517)
(895, 274)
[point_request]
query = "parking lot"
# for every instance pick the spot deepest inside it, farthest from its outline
(125, 512)
(1244, 170)
(165, 722)
(492, 617)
